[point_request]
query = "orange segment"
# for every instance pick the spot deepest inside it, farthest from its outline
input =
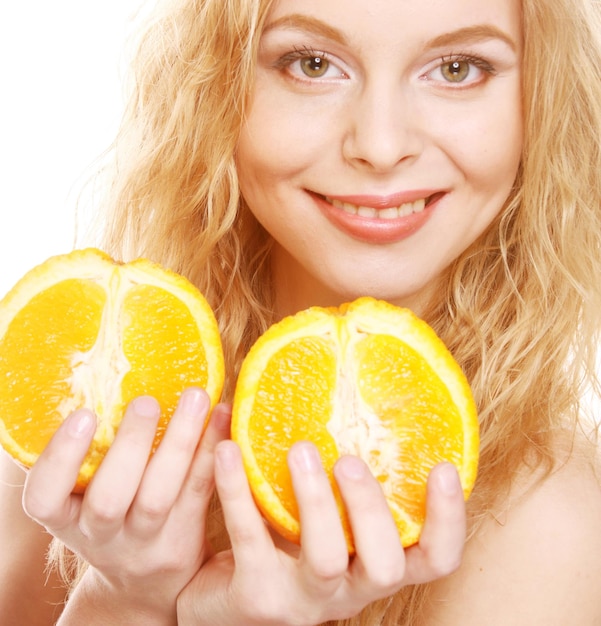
(368, 379)
(83, 331)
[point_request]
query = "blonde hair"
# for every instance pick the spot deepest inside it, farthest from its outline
(520, 308)
(174, 192)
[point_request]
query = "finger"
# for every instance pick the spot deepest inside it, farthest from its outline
(249, 537)
(324, 551)
(379, 566)
(167, 469)
(113, 488)
(200, 482)
(47, 495)
(440, 547)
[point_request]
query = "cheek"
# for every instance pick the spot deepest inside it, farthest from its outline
(284, 135)
(486, 146)
(501, 153)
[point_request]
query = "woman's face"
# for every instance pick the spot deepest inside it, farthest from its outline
(382, 139)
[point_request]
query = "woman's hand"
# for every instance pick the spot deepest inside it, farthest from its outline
(140, 523)
(259, 582)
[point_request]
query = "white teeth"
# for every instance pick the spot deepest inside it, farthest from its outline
(391, 213)
(365, 211)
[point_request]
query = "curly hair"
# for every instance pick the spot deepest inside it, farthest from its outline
(519, 309)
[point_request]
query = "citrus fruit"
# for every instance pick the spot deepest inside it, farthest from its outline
(367, 379)
(81, 330)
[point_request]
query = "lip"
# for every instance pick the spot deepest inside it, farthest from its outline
(386, 202)
(374, 229)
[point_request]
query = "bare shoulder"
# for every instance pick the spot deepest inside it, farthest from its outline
(539, 561)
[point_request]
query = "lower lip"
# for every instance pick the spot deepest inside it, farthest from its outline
(374, 230)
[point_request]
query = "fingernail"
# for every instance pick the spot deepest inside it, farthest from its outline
(352, 467)
(146, 406)
(81, 424)
(305, 456)
(227, 456)
(448, 479)
(193, 401)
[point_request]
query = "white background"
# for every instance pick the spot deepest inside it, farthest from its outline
(60, 105)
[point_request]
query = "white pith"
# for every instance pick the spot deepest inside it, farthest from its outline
(360, 431)
(97, 375)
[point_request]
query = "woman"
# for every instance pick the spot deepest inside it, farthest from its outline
(286, 154)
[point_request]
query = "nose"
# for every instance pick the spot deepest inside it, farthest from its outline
(383, 129)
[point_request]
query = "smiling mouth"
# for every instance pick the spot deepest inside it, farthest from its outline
(388, 213)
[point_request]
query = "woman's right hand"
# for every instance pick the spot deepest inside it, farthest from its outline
(260, 582)
(140, 523)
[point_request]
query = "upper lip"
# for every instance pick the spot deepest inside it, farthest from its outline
(385, 201)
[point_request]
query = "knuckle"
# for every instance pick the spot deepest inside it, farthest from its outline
(388, 578)
(183, 445)
(442, 565)
(452, 565)
(329, 569)
(201, 486)
(38, 509)
(103, 510)
(153, 509)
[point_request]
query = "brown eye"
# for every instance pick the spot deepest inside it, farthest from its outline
(455, 71)
(314, 66)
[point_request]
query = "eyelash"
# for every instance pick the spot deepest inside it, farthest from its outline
(304, 52)
(474, 61)
(297, 54)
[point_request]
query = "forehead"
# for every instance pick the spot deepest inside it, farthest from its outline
(395, 22)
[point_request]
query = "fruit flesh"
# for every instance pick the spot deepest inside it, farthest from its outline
(293, 408)
(23, 359)
(351, 390)
(419, 414)
(158, 329)
(105, 342)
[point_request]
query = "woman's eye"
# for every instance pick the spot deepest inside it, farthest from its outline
(462, 71)
(306, 64)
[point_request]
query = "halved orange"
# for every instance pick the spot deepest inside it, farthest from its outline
(368, 379)
(81, 330)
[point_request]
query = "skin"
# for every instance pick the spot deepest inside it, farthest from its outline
(27, 595)
(140, 523)
(381, 121)
(140, 526)
(383, 116)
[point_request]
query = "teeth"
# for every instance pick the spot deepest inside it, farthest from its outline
(365, 211)
(384, 214)
(348, 208)
(389, 214)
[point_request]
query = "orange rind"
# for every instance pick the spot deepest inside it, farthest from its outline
(368, 379)
(81, 330)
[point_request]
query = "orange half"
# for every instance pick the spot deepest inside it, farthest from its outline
(368, 379)
(81, 330)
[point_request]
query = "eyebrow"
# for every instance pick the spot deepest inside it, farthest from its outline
(308, 24)
(479, 32)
